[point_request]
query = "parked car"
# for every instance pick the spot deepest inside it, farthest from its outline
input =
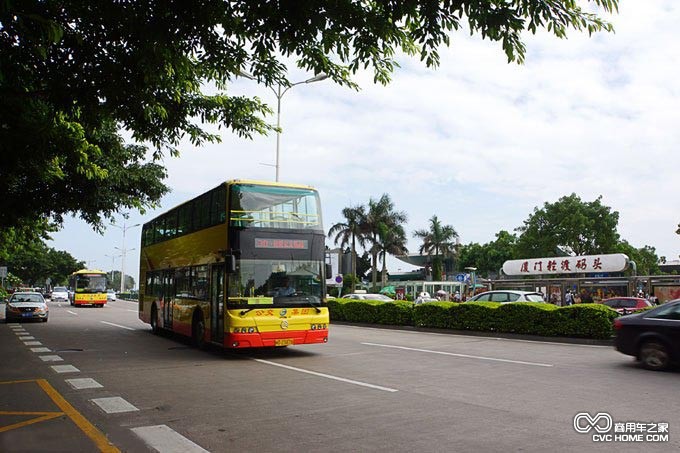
(425, 299)
(507, 295)
(368, 296)
(627, 305)
(26, 306)
(110, 295)
(59, 294)
(652, 337)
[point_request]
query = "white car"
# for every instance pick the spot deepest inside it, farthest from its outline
(505, 296)
(59, 294)
(110, 295)
(25, 306)
(369, 296)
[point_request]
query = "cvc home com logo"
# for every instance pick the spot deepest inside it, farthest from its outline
(602, 428)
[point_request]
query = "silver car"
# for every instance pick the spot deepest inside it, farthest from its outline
(23, 306)
(59, 293)
(505, 296)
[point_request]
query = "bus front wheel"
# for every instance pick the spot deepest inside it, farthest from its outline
(198, 330)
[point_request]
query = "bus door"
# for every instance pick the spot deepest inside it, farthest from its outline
(168, 298)
(217, 303)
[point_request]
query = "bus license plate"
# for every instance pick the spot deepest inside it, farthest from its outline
(284, 342)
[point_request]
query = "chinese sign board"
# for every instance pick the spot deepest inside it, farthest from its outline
(585, 264)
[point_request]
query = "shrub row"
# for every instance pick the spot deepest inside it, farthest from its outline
(583, 320)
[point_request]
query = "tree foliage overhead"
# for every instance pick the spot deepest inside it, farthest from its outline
(73, 73)
(569, 226)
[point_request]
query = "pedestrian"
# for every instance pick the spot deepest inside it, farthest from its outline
(568, 298)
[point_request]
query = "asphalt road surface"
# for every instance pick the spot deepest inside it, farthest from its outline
(97, 379)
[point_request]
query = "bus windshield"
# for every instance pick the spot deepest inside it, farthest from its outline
(254, 206)
(93, 283)
(276, 283)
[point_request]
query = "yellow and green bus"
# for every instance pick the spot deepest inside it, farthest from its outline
(240, 266)
(87, 287)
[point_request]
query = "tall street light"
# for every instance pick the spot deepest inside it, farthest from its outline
(123, 251)
(279, 92)
(113, 263)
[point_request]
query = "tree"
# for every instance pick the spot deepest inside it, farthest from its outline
(391, 240)
(73, 73)
(438, 241)
(488, 258)
(569, 226)
(380, 216)
(645, 258)
(349, 231)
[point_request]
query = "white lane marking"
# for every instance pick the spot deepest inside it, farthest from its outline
(41, 350)
(128, 301)
(133, 311)
(84, 383)
(114, 405)
(328, 376)
(164, 439)
(65, 369)
(32, 343)
(72, 312)
(51, 358)
(472, 337)
(467, 356)
(26, 338)
(117, 325)
(14, 324)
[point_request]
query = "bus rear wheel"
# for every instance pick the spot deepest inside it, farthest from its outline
(198, 330)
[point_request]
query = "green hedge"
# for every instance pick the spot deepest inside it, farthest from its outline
(583, 320)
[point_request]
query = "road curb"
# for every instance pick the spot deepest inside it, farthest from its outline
(472, 333)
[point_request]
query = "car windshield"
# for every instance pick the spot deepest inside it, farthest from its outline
(26, 298)
(59, 289)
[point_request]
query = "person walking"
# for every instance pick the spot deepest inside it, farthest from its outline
(568, 298)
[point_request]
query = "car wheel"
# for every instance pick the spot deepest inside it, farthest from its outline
(44, 320)
(198, 330)
(654, 356)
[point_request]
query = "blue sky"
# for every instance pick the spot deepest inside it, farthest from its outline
(477, 141)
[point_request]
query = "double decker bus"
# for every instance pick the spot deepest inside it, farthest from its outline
(239, 266)
(88, 287)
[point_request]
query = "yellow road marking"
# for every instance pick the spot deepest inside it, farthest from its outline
(45, 416)
(85, 426)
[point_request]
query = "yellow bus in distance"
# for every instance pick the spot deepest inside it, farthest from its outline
(240, 266)
(87, 287)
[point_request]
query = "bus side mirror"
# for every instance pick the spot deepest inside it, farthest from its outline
(329, 271)
(230, 262)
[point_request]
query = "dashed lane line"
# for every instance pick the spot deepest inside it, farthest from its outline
(72, 312)
(114, 405)
(84, 383)
(165, 439)
(117, 325)
(65, 369)
(328, 376)
(466, 356)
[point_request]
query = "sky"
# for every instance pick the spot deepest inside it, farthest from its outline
(478, 141)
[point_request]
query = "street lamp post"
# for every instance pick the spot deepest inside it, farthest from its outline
(113, 263)
(123, 250)
(279, 95)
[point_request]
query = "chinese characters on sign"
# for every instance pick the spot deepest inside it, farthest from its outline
(567, 265)
(299, 244)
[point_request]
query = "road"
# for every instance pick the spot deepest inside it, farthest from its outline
(96, 379)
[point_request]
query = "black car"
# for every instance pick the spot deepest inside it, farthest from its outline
(653, 336)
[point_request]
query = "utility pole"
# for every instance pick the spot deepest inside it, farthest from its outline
(123, 251)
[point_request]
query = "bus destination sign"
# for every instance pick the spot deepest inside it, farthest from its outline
(285, 244)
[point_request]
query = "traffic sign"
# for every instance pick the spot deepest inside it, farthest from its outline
(460, 277)
(3, 271)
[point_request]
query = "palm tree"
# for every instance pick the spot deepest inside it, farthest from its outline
(381, 214)
(438, 240)
(392, 241)
(349, 232)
